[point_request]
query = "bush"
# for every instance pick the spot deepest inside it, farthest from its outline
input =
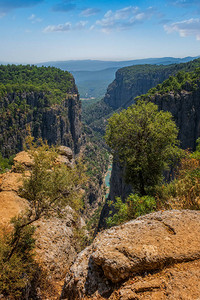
(17, 265)
(184, 191)
(5, 163)
(51, 186)
(133, 207)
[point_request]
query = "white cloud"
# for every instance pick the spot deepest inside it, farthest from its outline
(80, 25)
(58, 28)
(184, 3)
(124, 18)
(185, 28)
(90, 12)
(66, 27)
(34, 19)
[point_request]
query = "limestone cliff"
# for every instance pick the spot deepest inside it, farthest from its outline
(133, 81)
(41, 101)
(58, 124)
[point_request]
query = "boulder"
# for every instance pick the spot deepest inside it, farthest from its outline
(11, 205)
(65, 151)
(11, 181)
(24, 159)
(150, 244)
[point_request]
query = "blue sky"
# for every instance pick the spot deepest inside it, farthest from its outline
(41, 30)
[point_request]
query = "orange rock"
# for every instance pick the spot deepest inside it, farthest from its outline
(11, 205)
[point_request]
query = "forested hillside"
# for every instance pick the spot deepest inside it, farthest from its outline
(42, 101)
(129, 83)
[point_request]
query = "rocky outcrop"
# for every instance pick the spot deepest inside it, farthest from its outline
(126, 86)
(153, 256)
(55, 242)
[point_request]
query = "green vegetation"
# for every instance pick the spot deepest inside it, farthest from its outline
(27, 95)
(51, 186)
(94, 112)
(97, 160)
(184, 191)
(5, 163)
(133, 207)
(17, 266)
(181, 81)
(145, 140)
(19, 79)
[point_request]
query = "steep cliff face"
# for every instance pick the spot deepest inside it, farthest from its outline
(127, 86)
(185, 108)
(58, 123)
(133, 81)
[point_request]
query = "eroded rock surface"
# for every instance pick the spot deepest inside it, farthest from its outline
(55, 242)
(140, 257)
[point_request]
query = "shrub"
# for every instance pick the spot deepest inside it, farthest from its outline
(17, 265)
(133, 207)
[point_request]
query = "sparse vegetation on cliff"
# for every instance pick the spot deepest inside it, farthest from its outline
(17, 266)
(5, 163)
(133, 207)
(184, 191)
(50, 186)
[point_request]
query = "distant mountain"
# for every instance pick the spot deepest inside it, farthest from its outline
(93, 76)
(94, 83)
(97, 65)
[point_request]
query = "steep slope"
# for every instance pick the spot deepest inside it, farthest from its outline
(42, 101)
(93, 76)
(56, 241)
(136, 80)
(130, 82)
(179, 95)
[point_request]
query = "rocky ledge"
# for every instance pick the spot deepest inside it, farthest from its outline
(156, 256)
(55, 241)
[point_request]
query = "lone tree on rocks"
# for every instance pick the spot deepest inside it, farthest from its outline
(145, 140)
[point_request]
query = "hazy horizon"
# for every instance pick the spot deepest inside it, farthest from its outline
(35, 31)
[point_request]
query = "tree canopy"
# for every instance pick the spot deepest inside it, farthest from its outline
(145, 139)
